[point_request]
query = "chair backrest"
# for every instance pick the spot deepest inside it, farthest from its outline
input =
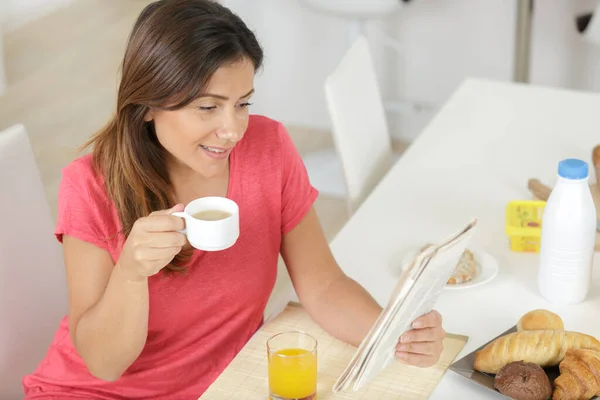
(33, 293)
(358, 119)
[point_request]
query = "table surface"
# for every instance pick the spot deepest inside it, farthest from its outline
(473, 158)
(246, 376)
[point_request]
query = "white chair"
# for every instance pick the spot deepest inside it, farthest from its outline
(359, 131)
(359, 126)
(324, 166)
(33, 293)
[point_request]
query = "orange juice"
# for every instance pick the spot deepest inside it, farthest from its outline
(293, 374)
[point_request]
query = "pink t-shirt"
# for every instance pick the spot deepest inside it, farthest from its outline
(200, 320)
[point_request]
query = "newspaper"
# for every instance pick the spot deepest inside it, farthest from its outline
(420, 284)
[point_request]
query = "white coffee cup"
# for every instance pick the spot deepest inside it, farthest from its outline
(211, 223)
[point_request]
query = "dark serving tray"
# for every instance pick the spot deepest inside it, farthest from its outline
(464, 367)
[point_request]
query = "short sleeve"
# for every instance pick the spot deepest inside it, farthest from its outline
(79, 215)
(297, 193)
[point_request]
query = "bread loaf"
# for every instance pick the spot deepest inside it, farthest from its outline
(544, 348)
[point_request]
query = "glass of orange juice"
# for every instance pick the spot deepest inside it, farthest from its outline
(292, 360)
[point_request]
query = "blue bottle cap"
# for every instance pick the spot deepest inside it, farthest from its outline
(573, 168)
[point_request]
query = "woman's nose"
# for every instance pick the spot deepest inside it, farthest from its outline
(232, 135)
(232, 127)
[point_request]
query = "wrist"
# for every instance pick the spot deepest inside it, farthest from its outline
(129, 276)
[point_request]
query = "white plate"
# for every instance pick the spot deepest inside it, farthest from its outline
(487, 268)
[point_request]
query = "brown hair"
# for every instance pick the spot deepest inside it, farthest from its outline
(173, 50)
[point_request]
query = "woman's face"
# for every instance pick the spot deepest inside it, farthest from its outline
(201, 136)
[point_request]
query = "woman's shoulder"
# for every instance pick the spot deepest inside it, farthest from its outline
(263, 131)
(80, 169)
(263, 123)
(265, 139)
(84, 208)
(81, 175)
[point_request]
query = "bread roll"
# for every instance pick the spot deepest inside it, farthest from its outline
(523, 381)
(544, 348)
(540, 320)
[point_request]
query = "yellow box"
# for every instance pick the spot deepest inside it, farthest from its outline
(524, 225)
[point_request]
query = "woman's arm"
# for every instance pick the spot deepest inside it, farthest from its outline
(108, 304)
(339, 304)
(108, 313)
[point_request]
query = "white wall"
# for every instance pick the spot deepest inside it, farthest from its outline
(14, 13)
(297, 58)
(2, 69)
(2, 73)
(444, 42)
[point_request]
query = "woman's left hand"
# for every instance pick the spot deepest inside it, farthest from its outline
(423, 345)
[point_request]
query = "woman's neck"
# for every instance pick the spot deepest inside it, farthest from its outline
(189, 185)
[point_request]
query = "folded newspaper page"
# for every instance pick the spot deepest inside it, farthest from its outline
(420, 284)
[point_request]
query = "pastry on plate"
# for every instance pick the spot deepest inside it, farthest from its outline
(545, 348)
(579, 376)
(540, 320)
(466, 269)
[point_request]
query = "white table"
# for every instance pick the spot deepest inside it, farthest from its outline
(473, 158)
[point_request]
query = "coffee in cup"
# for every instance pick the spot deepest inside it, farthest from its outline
(211, 223)
(211, 215)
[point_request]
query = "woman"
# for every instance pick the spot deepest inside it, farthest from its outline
(149, 317)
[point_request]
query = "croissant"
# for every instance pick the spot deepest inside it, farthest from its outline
(579, 377)
(543, 347)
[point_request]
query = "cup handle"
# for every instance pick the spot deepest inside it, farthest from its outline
(184, 216)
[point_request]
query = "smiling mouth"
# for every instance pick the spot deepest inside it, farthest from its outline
(213, 150)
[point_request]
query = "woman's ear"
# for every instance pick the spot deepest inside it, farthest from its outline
(149, 115)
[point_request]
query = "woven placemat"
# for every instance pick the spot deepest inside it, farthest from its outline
(246, 376)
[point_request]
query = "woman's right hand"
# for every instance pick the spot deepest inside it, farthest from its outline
(152, 243)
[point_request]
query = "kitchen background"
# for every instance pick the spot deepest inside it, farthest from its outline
(441, 42)
(61, 59)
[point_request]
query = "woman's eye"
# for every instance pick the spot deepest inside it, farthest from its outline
(244, 105)
(207, 108)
